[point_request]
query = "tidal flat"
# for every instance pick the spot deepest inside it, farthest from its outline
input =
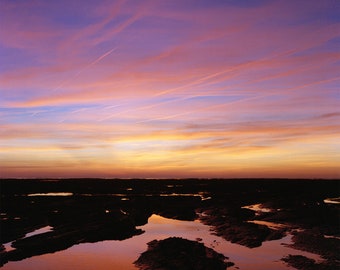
(144, 223)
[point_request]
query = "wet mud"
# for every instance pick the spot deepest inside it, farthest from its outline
(92, 210)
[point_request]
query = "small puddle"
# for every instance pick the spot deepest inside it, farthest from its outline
(270, 225)
(8, 246)
(39, 231)
(332, 200)
(257, 208)
(50, 194)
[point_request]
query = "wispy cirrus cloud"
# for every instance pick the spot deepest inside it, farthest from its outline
(124, 86)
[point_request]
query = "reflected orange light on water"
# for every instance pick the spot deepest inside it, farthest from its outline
(108, 255)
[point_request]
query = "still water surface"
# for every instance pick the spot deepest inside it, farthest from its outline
(108, 255)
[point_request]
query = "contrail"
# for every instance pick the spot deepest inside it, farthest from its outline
(102, 57)
(85, 68)
(225, 71)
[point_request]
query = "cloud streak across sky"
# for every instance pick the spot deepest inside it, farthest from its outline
(170, 88)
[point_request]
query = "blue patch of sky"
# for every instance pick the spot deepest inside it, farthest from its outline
(137, 37)
(216, 99)
(7, 96)
(13, 58)
(164, 99)
(13, 114)
(73, 15)
(41, 113)
(243, 3)
(323, 13)
(333, 44)
(161, 28)
(333, 88)
(330, 11)
(330, 46)
(200, 4)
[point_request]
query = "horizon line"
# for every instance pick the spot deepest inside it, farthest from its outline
(150, 178)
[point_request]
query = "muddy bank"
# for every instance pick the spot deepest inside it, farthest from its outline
(181, 254)
(98, 228)
(315, 242)
(304, 263)
(91, 210)
(232, 225)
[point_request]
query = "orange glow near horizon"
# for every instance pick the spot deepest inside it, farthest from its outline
(170, 90)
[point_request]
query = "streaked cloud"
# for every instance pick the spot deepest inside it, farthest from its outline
(170, 89)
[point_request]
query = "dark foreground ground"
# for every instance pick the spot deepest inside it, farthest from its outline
(98, 209)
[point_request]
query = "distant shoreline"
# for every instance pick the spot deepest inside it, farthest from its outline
(174, 179)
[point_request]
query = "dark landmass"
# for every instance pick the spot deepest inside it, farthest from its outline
(113, 209)
(182, 254)
(304, 263)
(73, 222)
(314, 242)
(232, 225)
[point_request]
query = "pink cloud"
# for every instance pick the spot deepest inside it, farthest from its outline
(160, 84)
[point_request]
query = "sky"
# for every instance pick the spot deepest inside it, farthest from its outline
(170, 89)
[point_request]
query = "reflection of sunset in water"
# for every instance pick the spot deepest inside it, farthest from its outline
(108, 255)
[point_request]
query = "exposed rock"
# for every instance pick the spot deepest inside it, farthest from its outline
(304, 263)
(312, 241)
(181, 254)
(232, 226)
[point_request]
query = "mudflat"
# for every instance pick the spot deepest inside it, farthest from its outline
(246, 212)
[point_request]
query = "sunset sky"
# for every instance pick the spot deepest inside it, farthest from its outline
(201, 88)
